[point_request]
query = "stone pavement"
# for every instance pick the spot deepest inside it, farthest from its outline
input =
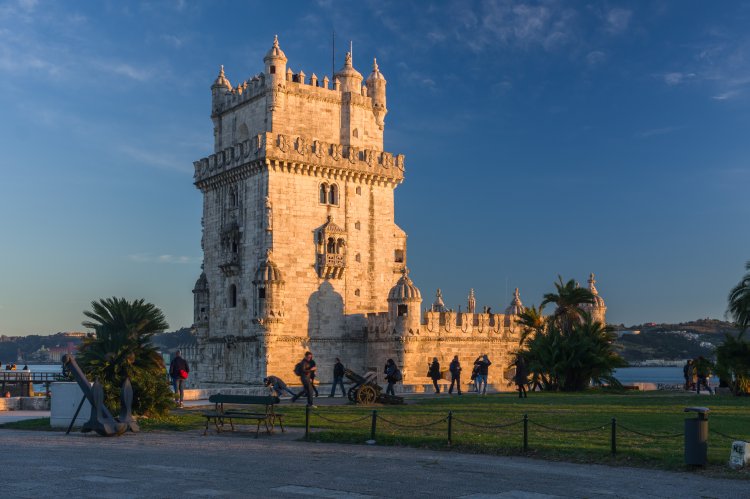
(179, 464)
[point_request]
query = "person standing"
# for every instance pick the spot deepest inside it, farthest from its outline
(687, 373)
(455, 369)
(304, 369)
(179, 370)
(522, 376)
(392, 376)
(434, 373)
(277, 385)
(703, 371)
(338, 378)
(483, 364)
(312, 379)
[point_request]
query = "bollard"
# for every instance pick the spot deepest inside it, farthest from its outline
(307, 421)
(450, 428)
(614, 436)
(696, 437)
(374, 425)
(525, 432)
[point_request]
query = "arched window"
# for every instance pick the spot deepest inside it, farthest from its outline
(359, 190)
(357, 225)
(398, 256)
(357, 257)
(333, 195)
(232, 197)
(323, 193)
(331, 246)
(340, 246)
(232, 296)
(273, 70)
(356, 292)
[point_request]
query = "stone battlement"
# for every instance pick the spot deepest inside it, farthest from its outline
(307, 156)
(457, 324)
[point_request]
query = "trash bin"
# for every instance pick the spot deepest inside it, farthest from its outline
(696, 437)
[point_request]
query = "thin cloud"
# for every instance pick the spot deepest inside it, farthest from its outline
(677, 78)
(657, 131)
(162, 259)
(617, 20)
(729, 94)
(595, 57)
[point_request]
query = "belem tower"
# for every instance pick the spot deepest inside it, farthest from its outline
(300, 248)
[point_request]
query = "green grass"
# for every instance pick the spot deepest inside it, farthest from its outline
(28, 424)
(649, 413)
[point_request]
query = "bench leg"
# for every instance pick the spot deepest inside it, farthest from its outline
(205, 432)
(281, 423)
(257, 429)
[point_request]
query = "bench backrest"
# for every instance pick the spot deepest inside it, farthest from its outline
(244, 399)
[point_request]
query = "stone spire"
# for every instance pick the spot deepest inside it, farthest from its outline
(438, 305)
(221, 80)
(376, 91)
(515, 307)
(472, 305)
(592, 286)
(598, 309)
(349, 78)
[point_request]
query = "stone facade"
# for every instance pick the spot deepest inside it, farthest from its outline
(301, 251)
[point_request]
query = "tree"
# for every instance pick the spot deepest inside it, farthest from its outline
(568, 301)
(121, 348)
(568, 350)
(739, 302)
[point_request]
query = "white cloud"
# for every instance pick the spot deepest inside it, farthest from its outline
(595, 57)
(617, 20)
(676, 78)
(729, 94)
(168, 259)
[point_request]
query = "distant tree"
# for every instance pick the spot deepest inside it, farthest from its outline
(122, 349)
(739, 302)
(733, 364)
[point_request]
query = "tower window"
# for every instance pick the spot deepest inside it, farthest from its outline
(328, 194)
(232, 296)
(402, 310)
(323, 193)
(333, 195)
(357, 225)
(357, 257)
(262, 293)
(398, 256)
(356, 292)
(273, 70)
(359, 191)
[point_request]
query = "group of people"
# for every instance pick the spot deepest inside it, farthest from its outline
(479, 374)
(11, 366)
(307, 369)
(697, 372)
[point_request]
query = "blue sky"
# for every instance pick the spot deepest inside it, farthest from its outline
(541, 138)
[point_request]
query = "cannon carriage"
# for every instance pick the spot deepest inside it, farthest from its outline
(365, 389)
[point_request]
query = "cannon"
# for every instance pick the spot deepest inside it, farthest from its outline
(366, 390)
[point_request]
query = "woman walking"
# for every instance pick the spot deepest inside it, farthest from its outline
(434, 373)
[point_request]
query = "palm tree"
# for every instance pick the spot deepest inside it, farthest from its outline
(568, 301)
(532, 322)
(121, 348)
(739, 302)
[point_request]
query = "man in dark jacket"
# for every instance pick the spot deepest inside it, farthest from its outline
(455, 369)
(178, 370)
(338, 378)
(434, 373)
(306, 369)
(277, 385)
(483, 365)
(522, 376)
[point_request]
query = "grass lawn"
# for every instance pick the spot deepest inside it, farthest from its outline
(554, 421)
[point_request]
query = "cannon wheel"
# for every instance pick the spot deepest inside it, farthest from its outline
(367, 395)
(352, 394)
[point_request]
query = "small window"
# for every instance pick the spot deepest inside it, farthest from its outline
(403, 310)
(355, 133)
(357, 225)
(356, 292)
(262, 293)
(359, 191)
(331, 246)
(232, 296)
(340, 247)
(323, 193)
(357, 257)
(273, 70)
(333, 195)
(398, 256)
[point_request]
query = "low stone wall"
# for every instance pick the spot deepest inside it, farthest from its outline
(24, 404)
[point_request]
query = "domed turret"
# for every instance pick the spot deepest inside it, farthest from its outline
(275, 60)
(221, 81)
(404, 302)
(376, 91)
(515, 307)
(200, 301)
(598, 309)
(438, 305)
(269, 291)
(349, 78)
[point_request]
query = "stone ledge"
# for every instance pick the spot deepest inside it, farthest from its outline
(24, 404)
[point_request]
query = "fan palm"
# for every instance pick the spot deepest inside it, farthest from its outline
(121, 348)
(568, 301)
(739, 302)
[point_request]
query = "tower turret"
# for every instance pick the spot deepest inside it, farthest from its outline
(269, 291)
(598, 309)
(472, 304)
(404, 304)
(275, 60)
(220, 86)
(438, 305)
(349, 78)
(376, 91)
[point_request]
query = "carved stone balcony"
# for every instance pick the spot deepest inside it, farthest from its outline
(231, 265)
(331, 266)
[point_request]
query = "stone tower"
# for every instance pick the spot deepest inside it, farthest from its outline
(598, 309)
(299, 239)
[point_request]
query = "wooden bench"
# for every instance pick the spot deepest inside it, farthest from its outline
(221, 414)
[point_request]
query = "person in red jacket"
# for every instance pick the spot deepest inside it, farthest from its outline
(178, 370)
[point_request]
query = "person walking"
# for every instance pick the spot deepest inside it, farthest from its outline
(434, 373)
(483, 363)
(687, 373)
(179, 370)
(338, 378)
(312, 379)
(703, 371)
(304, 369)
(455, 370)
(277, 385)
(392, 376)
(522, 376)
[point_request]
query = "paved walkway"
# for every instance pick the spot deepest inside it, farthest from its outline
(173, 464)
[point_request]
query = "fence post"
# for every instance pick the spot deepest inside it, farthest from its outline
(307, 421)
(614, 436)
(525, 432)
(450, 428)
(374, 424)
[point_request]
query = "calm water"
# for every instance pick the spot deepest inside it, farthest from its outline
(669, 375)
